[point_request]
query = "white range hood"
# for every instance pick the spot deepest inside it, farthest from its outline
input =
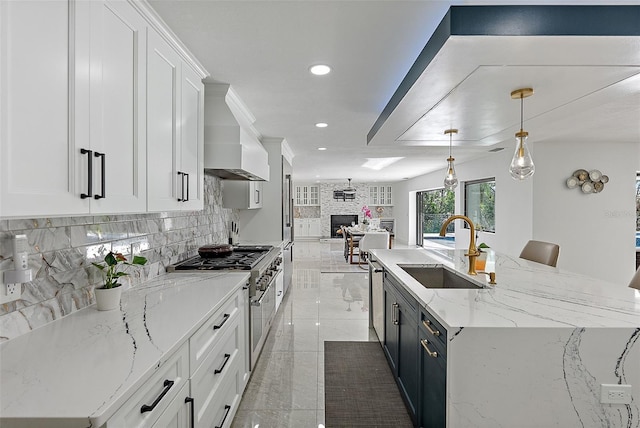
(232, 148)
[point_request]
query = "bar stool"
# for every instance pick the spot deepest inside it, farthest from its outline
(370, 241)
(541, 252)
(635, 281)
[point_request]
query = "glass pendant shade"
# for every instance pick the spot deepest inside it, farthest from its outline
(450, 179)
(522, 166)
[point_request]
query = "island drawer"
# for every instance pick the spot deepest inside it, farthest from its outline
(433, 328)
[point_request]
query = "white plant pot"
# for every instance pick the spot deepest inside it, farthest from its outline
(108, 299)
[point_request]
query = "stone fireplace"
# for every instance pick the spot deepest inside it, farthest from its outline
(341, 220)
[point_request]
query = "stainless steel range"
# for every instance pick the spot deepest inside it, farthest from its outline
(265, 265)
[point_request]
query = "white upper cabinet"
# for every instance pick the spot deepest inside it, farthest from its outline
(117, 108)
(307, 195)
(38, 153)
(380, 195)
(242, 194)
(175, 102)
(73, 111)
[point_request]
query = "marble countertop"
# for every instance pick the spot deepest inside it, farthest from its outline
(527, 294)
(49, 372)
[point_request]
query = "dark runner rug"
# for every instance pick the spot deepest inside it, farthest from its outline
(359, 389)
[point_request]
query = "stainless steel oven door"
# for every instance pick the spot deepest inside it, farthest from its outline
(262, 313)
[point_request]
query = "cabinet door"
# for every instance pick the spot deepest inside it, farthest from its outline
(373, 195)
(255, 194)
(314, 195)
(391, 327)
(389, 199)
(162, 104)
(38, 155)
(298, 195)
(191, 143)
(314, 227)
(118, 108)
(408, 354)
(298, 227)
(433, 381)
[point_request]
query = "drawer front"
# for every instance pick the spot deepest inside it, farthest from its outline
(225, 361)
(433, 329)
(207, 336)
(178, 412)
(160, 390)
(224, 401)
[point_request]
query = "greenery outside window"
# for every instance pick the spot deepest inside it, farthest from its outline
(480, 203)
(434, 207)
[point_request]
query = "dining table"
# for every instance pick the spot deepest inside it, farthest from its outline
(353, 235)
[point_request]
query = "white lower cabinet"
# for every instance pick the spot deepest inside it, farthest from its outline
(306, 228)
(151, 399)
(179, 412)
(202, 383)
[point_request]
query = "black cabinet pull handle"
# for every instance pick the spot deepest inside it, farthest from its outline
(185, 175)
(89, 174)
(224, 320)
(180, 174)
(226, 358)
(102, 173)
(226, 413)
(193, 410)
(167, 386)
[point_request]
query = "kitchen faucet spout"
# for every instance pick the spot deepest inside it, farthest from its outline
(472, 252)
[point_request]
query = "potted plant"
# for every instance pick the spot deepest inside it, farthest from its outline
(108, 296)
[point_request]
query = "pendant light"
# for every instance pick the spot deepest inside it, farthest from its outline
(450, 179)
(522, 166)
(349, 190)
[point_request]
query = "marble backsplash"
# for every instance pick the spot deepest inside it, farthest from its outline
(62, 249)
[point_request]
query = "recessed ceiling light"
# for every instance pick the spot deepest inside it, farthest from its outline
(320, 69)
(322, 148)
(321, 125)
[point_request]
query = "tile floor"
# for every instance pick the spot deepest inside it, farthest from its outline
(286, 388)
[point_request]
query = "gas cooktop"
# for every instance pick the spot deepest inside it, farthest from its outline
(243, 257)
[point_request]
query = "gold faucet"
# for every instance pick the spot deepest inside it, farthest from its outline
(472, 252)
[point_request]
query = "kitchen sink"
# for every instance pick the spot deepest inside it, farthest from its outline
(437, 277)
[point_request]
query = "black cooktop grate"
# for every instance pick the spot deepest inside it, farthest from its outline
(242, 258)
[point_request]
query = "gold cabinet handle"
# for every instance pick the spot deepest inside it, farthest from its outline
(426, 348)
(427, 325)
(395, 318)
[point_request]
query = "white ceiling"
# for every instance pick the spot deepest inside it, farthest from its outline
(585, 88)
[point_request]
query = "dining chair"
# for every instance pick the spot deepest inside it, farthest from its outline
(541, 252)
(370, 241)
(635, 281)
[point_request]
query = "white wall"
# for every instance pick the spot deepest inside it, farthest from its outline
(595, 232)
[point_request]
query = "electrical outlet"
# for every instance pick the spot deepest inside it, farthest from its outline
(615, 394)
(9, 292)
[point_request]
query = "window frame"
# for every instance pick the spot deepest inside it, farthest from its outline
(466, 204)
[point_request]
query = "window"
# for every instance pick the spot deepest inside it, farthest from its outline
(480, 203)
(434, 207)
